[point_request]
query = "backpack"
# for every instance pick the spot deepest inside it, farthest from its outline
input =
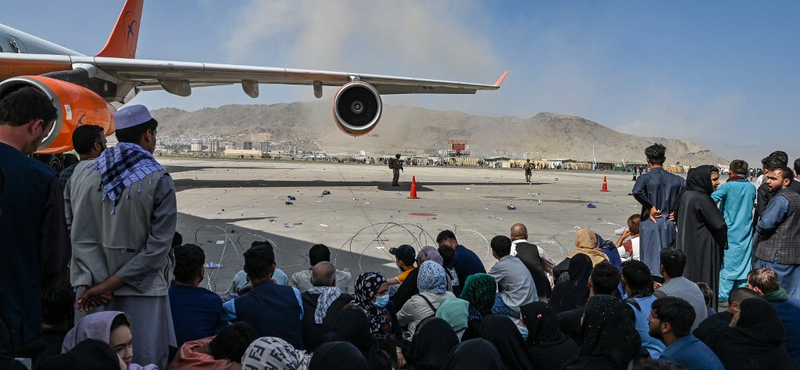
(391, 163)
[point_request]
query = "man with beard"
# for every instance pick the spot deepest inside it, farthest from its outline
(779, 232)
(671, 321)
(35, 243)
(775, 160)
(655, 191)
(122, 211)
(702, 232)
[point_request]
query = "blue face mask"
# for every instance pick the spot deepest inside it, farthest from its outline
(382, 301)
(523, 331)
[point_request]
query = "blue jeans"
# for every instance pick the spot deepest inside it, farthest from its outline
(501, 308)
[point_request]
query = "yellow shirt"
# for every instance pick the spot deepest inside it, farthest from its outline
(402, 277)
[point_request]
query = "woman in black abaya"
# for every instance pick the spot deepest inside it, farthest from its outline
(610, 339)
(755, 340)
(503, 333)
(433, 342)
(571, 294)
(549, 347)
(702, 232)
(353, 326)
(474, 354)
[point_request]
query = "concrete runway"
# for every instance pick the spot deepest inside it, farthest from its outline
(224, 205)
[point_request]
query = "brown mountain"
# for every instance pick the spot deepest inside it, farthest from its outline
(412, 130)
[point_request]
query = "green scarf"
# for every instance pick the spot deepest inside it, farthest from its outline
(777, 296)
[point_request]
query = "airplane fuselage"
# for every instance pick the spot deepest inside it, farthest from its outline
(15, 41)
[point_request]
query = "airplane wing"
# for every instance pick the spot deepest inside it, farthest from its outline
(179, 77)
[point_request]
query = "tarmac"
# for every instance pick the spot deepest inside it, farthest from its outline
(225, 205)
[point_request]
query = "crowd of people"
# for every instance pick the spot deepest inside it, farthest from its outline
(98, 278)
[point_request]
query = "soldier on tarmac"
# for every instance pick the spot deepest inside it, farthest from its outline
(396, 165)
(528, 167)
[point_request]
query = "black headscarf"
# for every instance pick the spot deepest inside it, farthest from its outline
(549, 347)
(432, 344)
(89, 354)
(572, 294)
(503, 333)
(353, 326)
(756, 342)
(697, 179)
(337, 356)
(474, 354)
(609, 330)
(542, 323)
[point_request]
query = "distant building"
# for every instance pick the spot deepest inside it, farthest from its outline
(247, 145)
(197, 146)
(242, 153)
(214, 146)
(265, 146)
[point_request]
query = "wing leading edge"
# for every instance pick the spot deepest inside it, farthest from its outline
(161, 74)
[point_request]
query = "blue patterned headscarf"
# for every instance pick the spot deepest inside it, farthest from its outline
(432, 278)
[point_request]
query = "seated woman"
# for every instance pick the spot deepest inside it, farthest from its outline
(111, 327)
(337, 356)
(586, 243)
(221, 352)
(610, 339)
(754, 339)
(474, 354)
(372, 296)
(549, 347)
(479, 290)
(507, 337)
(435, 340)
(90, 354)
(274, 354)
(432, 284)
(353, 326)
(573, 293)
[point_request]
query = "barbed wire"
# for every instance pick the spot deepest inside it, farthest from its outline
(418, 235)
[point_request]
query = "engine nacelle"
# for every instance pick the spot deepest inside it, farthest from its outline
(357, 108)
(75, 106)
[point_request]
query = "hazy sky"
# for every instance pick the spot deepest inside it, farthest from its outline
(724, 74)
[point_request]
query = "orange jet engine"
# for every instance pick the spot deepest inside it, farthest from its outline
(76, 105)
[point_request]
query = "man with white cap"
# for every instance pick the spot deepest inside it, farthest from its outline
(122, 211)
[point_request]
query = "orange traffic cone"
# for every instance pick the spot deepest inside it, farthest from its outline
(413, 188)
(605, 185)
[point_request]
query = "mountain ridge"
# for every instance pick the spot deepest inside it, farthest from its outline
(412, 130)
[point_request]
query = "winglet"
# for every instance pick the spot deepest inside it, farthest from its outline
(500, 80)
(125, 34)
